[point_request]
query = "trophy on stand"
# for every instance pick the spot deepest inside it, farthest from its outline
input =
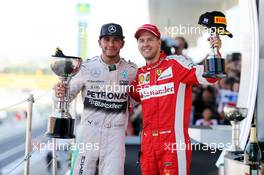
(235, 115)
(60, 122)
(214, 65)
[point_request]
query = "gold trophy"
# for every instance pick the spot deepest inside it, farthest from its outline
(60, 122)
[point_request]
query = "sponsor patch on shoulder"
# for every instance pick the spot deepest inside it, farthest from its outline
(144, 78)
(166, 74)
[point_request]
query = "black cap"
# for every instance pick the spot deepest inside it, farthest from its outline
(215, 19)
(111, 29)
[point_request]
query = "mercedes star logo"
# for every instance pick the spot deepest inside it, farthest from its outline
(112, 29)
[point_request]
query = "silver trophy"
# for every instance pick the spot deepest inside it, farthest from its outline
(60, 122)
(235, 115)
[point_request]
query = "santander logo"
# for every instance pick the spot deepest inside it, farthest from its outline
(156, 91)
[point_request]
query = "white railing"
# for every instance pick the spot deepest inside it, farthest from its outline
(28, 141)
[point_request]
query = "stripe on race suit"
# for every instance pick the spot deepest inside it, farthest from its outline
(199, 74)
(75, 155)
(185, 62)
(179, 132)
(74, 158)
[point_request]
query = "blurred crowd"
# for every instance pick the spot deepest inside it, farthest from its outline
(208, 101)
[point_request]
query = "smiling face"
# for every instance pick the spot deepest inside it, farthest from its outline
(149, 46)
(111, 46)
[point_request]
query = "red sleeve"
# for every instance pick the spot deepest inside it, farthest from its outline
(189, 73)
(195, 76)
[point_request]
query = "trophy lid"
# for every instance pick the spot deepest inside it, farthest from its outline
(235, 113)
(215, 19)
(65, 66)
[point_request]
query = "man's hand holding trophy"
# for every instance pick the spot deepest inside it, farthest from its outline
(215, 22)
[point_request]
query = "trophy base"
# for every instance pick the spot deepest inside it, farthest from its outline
(62, 128)
(214, 68)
